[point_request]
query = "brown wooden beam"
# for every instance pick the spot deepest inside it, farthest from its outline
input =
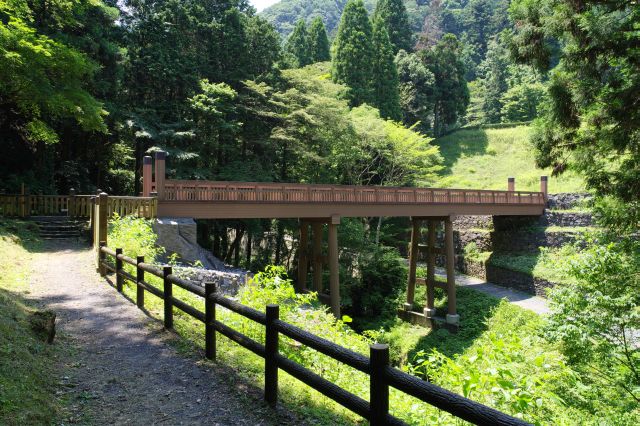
(302, 256)
(413, 261)
(430, 310)
(452, 316)
(334, 271)
(317, 253)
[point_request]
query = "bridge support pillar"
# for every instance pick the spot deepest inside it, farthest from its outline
(160, 173)
(452, 315)
(303, 256)
(147, 176)
(317, 257)
(334, 271)
(413, 261)
(430, 310)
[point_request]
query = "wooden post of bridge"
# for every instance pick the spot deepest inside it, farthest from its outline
(430, 310)
(303, 258)
(413, 262)
(147, 176)
(72, 207)
(334, 267)
(160, 173)
(452, 315)
(317, 257)
(544, 186)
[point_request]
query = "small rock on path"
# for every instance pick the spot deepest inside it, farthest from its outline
(118, 367)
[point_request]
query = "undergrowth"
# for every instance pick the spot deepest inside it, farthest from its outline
(27, 378)
(499, 357)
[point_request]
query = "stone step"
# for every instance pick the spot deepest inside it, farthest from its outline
(524, 240)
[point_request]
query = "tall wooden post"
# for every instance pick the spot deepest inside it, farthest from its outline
(378, 384)
(271, 355)
(160, 173)
(102, 217)
(147, 176)
(430, 310)
(413, 262)
(511, 184)
(210, 317)
(72, 207)
(334, 272)
(544, 186)
(168, 297)
(317, 257)
(452, 315)
(24, 201)
(302, 256)
(139, 280)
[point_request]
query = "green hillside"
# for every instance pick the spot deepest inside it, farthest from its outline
(485, 158)
(284, 14)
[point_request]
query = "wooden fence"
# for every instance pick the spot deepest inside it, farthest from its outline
(76, 206)
(376, 366)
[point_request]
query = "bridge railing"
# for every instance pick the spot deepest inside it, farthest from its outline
(381, 375)
(254, 192)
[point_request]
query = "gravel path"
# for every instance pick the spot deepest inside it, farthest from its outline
(118, 367)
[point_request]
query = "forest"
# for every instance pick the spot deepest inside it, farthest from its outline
(360, 93)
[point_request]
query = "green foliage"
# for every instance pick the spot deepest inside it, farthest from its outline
(416, 86)
(319, 47)
(298, 46)
(385, 74)
(353, 53)
(392, 15)
(522, 102)
(285, 13)
(134, 235)
(596, 319)
(451, 93)
(591, 117)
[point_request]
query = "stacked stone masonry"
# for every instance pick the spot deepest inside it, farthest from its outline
(515, 235)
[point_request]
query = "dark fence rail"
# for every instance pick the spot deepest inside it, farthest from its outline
(381, 375)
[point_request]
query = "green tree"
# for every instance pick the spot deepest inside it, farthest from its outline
(385, 74)
(522, 101)
(451, 95)
(353, 53)
(298, 45)
(416, 90)
(393, 14)
(318, 41)
(592, 121)
(494, 71)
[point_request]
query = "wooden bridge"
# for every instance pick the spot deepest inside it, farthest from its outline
(316, 206)
(319, 205)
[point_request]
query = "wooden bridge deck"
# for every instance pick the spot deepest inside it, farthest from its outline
(247, 200)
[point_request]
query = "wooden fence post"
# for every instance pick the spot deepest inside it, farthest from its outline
(139, 279)
(270, 356)
(119, 277)
(101, 258)
(168, 295)
(102, 217)
(210, 317)
(378, 385)
(71, 206)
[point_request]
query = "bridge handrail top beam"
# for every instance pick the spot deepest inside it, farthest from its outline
(280, 185)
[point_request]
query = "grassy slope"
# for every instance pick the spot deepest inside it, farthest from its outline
(26, 373)
(485, 158)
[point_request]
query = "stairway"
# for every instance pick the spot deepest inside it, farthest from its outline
(59, 227)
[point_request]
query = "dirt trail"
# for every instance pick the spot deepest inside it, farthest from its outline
(118, 367)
